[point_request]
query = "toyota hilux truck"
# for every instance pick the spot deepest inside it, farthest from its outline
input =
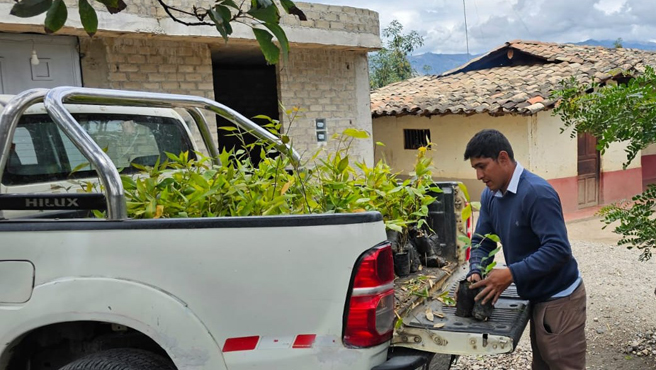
(283, 292)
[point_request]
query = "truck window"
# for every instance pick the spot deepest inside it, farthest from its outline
(23, 150)
(42, 153)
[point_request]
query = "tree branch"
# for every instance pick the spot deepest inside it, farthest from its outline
(168, 8)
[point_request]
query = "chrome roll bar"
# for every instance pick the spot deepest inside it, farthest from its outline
(55, 99)
(9, 118)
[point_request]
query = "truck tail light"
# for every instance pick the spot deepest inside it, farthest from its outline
(369, 314)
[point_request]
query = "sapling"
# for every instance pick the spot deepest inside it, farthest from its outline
(466, 305)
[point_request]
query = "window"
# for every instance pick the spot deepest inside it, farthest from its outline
(44, 153)
(414, 139)
(23, 149)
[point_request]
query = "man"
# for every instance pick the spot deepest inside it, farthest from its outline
(525, 212)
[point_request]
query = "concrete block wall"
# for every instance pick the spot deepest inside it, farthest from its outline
(177, 67)
(329, 17)
(331, 84)
(332, 17)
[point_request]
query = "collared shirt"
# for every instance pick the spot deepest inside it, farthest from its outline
(512, 187)
(514, 181)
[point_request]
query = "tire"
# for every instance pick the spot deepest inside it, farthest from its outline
(440, 362)
(121, 359)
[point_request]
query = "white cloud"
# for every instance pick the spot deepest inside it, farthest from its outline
(493, 22)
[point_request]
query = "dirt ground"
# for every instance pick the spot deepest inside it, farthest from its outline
(621, 304)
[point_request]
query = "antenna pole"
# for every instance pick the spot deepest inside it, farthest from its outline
(464, 9)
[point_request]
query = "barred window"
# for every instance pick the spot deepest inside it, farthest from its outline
(414, 139)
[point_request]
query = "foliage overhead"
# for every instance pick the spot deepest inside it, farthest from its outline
(263, 16)
(636, 222)
(618, 113)
(390, 64)
(613, 112)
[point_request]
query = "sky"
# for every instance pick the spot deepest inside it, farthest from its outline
(490, 23)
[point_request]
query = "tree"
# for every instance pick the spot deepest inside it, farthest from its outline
(263, 17)
(624, 112)
(390, 64)
(618, 43)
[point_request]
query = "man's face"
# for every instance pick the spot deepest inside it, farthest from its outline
(491, 172)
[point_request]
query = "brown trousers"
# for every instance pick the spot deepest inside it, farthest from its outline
(558, 332)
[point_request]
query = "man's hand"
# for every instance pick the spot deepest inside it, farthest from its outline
(495, 283)
(472, 279)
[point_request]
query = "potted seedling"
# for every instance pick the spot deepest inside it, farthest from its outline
(466, 306)
(483, 311)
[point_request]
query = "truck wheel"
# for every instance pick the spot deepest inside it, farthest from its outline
(440, 362)
(121, 359)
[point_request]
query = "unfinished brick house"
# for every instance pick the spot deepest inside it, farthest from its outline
(142, 49)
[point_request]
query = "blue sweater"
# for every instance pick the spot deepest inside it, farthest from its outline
(532, 230)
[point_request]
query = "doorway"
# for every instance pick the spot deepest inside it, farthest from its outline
(588, 171)
(244, 82)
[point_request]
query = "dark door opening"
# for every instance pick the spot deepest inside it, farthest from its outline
(588, 170)
(248, 86)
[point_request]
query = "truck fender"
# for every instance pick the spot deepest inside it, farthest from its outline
(156, 313)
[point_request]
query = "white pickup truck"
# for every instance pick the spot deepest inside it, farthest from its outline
(283, 292)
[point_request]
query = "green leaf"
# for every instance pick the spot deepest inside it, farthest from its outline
(230, 3)
(493, 237)
(278, 32)
(466, 213)
(79, 167)
(56, 16)
(268, 14)
(394, 227)
(262, 116)
(215, 16)
(258, 4)
(226, 16)
(291, 8)
(356, 133)
(228, 128)
(380, 143)
(464, 239)
(269, 49)
(398, 324)
(88, 17)
(343, 164)
(464, 190)
(113, 6)
(30, 8)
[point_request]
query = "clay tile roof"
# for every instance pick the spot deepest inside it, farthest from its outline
(516, 78)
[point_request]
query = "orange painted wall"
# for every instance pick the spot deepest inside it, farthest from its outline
(648, 170)
(567, 189)
(615, 186)
(619, 185)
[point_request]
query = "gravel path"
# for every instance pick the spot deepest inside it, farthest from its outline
(621, 324)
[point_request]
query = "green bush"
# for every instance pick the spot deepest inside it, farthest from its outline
(182, 186)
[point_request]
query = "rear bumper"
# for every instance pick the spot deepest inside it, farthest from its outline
(405, 360)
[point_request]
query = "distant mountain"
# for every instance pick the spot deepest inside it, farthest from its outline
(438, 63)
(644, 45)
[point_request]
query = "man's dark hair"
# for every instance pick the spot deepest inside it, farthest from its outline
(488, 143)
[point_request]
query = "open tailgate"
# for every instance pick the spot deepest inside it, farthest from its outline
(455, 335)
